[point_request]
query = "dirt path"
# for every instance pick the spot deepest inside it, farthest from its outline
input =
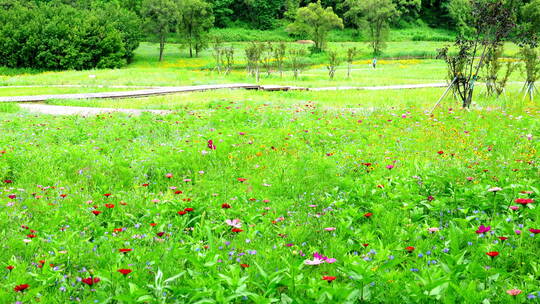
(199, 88)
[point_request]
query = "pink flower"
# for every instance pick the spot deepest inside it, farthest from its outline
(433, 229)
(168, 175)
(390, 167)
(469, 178)
(211, 145)
(330, 228)
(518, 232)
(514, 207)
(495, 189)
(234, 223)
(483, 229)
(513, 292)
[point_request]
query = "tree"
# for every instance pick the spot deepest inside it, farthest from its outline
(491, 22)
(334, 60)
(351, 55)
(529, 31)
(531, 59)
(374, 16)
(316, 22)
(297, 61)
(196, 20)
(159, 20)
(279, 56)
(495, 85)
(253, 56)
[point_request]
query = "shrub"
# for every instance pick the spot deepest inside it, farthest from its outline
(57, 36)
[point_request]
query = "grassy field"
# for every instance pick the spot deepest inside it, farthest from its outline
(252, 202)
(270, 197)
(179, 69)
(5, 92)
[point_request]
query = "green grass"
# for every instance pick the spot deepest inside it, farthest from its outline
(421, 98)
(306, 170)
(5, 92)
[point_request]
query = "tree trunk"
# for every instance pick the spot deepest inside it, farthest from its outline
(161, 47)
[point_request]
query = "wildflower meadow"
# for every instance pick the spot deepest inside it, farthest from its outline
(253, 202)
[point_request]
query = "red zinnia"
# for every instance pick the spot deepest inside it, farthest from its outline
(12, 196)
(96, 212)
(237, 230)
(90, 281)
(503, 238)
(31, 236)
(524, 201)
(244, 265)
(225, 206)
(369, 214)
(125, 250)
(240, 179)
(145, 185)
(160, 234)
(492, 253)
(440, 152)
(107, 194)
(409, 248)
(535, 231)
(10, 267)
(8, 181)
(329, 279)
(153, 224)
(110, 206)
(21, 287)
(211, 145)
(188, 209)
(182, 212)
(125, 271)
(365, 245)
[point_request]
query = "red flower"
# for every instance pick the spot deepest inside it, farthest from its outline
(188, 209)
(96, 212)
(107, 194)
(241, 179)
(110, 206)
(225, 206)
(178, 192)
(10, 267)
(237, 230)
(367, 164)
(368, 215)
(160, 234)
(492, 253)
(440, 152)
(182, 212)
(145, 185)
(409, 248)
(365, 245)
(8, 181)
(31, 236)
(329, 279)
(12, 196)
(125, 271)
(90, 281)
(125, 250)
(211, 145)
(503, 238)
(63, 195)
(244, 265)
(168, 175)
(524, 201)
(535, 231)
(153, 224)
(21, 287)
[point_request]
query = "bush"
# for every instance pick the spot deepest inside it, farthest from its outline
(56, 36)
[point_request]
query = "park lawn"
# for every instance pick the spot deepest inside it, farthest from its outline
(178, 69)
(18, 91)
(355, 99)
(393, 195)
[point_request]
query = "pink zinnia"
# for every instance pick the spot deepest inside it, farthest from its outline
(483, 229)
(513, 292)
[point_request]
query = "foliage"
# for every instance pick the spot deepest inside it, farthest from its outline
(491, 22)
(495, 85)
(160, 19)
(334, 60)
(351, 56)
(196, 20)
(57, 36)
(531, 68)
(279, 54)
(374, 16)
(297, 61)
(253, 54)
(315, 21)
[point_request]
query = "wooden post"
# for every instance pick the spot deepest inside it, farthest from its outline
(444, 95)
